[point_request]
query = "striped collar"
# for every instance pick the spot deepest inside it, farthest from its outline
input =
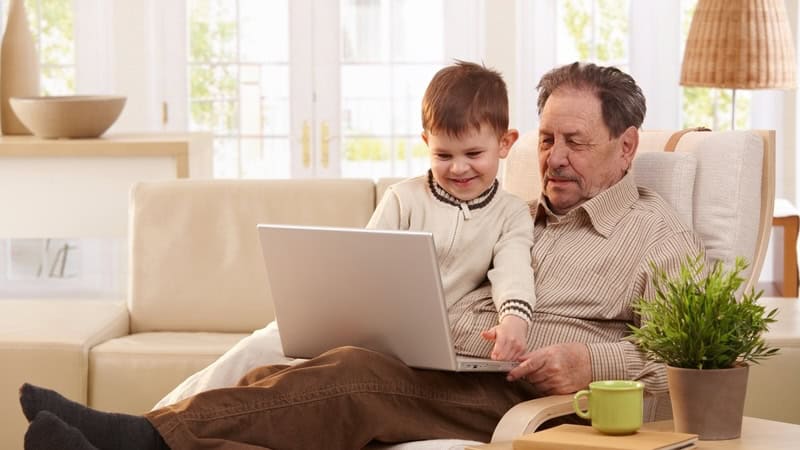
(604, 210)
(445, 197)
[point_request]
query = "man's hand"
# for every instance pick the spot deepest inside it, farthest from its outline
(557, 369)
(510, 338)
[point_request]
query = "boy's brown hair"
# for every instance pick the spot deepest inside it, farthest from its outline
(464, 96)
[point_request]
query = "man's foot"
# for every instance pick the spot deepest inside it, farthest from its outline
(103, 430)
(48, 432)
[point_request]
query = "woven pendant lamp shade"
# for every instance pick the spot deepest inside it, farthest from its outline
(739, 44)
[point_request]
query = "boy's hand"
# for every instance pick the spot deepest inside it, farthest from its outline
(510, 338)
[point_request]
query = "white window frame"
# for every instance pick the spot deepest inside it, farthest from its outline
(139, 49)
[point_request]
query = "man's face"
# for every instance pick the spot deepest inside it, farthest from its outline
(578, 159)
(466, 166)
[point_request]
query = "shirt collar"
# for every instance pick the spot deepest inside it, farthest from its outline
(604, 210)
(443, 196)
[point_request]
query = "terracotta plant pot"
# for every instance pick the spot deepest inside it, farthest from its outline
(709, 403)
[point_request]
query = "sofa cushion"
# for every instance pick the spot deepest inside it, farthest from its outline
(130, 374)
(196, 262)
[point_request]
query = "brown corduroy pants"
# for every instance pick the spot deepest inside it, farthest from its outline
(342, 399)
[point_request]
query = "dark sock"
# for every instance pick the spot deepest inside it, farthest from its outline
(103, 430)
(48, 432)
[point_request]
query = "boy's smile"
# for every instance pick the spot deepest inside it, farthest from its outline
(465, 166)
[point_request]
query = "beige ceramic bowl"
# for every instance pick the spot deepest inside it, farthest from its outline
(72, 116)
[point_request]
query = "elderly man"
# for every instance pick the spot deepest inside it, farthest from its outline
(595, 236)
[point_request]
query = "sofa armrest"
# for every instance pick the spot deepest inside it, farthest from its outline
(47, 342)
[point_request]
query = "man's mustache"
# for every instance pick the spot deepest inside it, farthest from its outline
(560, 176)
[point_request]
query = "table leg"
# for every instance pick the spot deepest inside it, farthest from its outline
(790, 225)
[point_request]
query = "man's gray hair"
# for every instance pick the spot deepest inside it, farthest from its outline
(621, 99)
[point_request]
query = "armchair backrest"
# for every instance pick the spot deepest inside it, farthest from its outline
(722, 183)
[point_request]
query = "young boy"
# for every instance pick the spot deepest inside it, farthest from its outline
(479, 230)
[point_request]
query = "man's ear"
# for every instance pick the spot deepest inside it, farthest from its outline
(507, 141)
(629, 141)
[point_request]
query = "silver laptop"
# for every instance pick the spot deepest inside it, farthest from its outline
(375, 289)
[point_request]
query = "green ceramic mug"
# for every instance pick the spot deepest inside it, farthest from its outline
(615, 406)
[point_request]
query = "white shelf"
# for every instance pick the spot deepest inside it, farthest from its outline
(74, 188)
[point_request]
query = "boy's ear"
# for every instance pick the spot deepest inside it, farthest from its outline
(507, 141)
(425, 137)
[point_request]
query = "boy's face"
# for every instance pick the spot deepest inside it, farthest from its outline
(466, 166)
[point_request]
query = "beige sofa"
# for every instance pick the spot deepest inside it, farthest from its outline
(198, 286)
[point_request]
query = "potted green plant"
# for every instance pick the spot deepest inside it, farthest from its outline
(707, 337)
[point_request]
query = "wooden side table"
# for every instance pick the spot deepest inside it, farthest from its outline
(757, 434)
(787, 217)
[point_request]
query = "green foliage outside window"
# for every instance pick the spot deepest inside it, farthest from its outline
(610, 43)
(613, 30)
(213, 74)
(375, 149)
(577, 20)
(51, 22)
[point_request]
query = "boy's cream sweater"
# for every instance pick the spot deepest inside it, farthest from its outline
(490, 236)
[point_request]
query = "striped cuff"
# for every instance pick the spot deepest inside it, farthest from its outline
(517, 308)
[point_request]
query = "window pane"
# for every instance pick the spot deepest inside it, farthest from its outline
(226, 158)
(365, 30)
(417, 30)
(366, 116)
(58, 80)
(361, 81)
(275, 99)
(412, 156)
(410, 82)
(401, 43)
(57, 42)
(366, 157)
(212, 30)
(265, 158)
(209, 82)
(611, 42)
(264, 30)
(574, 42)
(365, 103)
(51, 22)
(216, 116)
(593, 30)
(238, 71)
